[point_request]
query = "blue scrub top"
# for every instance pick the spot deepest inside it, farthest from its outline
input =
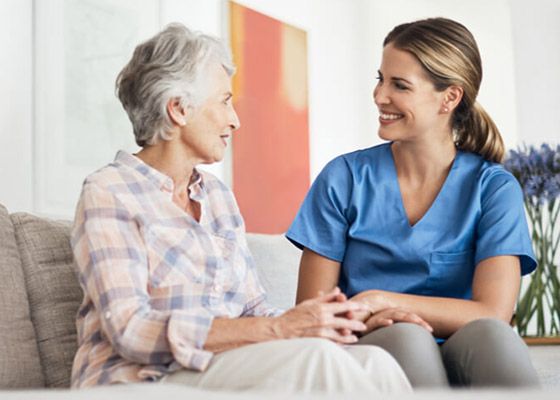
(354, 214)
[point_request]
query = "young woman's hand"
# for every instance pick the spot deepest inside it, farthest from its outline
(390, 316)
(374, 300)
(329, 316)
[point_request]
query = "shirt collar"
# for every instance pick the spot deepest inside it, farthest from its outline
(158, 178)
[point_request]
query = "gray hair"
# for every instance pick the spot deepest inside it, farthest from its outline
(170, 65)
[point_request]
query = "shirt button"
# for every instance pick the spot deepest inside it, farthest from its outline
(107, 314)
(217, 287)
(167, 187)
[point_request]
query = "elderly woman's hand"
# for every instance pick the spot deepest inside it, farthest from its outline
(329, 316)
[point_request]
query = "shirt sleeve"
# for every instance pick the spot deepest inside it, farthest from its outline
(258, 306)
(113, 271)
(321, 224)
(502, 229)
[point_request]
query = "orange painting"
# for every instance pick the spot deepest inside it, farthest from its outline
(271, 149)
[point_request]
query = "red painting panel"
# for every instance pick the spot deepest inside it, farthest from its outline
(271, 149)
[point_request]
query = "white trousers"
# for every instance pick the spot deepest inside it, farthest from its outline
(299, 365)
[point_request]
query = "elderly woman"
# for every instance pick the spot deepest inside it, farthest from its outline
(170, 290)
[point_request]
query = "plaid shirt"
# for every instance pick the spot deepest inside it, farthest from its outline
(153, 277)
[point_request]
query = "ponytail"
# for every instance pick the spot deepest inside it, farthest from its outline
(477, 133)
(448, 53)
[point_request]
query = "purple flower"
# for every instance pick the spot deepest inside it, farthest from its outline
(537, 170)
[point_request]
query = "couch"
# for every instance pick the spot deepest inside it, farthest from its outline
(39, 297)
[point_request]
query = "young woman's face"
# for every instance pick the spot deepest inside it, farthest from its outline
(409, 106)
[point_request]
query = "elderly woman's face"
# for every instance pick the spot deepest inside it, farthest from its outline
(209, 127)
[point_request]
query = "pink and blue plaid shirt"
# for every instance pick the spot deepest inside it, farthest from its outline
(153, 277)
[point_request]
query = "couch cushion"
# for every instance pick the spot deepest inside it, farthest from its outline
(53, 291)
(277, 263)
(19, 358)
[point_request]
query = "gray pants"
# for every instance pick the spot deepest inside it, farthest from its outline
(485, 352)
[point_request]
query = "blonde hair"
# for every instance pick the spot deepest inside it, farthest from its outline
(449, 54)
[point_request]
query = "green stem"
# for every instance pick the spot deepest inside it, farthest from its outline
(541, 298)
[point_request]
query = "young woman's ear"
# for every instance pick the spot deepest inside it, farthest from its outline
(176, 112)
(452, 98)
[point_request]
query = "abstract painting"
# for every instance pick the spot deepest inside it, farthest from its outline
(270, 161)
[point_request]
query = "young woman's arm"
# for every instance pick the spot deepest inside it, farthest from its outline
(318, 274)
(495, 287)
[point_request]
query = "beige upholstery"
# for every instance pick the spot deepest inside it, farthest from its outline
(19, 358)
(53, 290)
(277, 262)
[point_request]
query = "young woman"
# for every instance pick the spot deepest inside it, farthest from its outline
(428, 229)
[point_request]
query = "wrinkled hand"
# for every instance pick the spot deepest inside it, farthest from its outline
(389, 316)
(327, 316)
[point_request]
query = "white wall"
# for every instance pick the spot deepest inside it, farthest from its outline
(16, 166)
(79, 48)
(536, 31)
(520, 88)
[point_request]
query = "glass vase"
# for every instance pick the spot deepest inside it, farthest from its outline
(538, 307)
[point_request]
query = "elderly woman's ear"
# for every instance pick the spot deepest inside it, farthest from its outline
(177, 113)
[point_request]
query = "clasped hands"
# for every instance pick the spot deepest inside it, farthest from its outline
(333, 316)
(382, 312)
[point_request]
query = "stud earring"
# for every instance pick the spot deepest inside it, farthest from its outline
(445, 109)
